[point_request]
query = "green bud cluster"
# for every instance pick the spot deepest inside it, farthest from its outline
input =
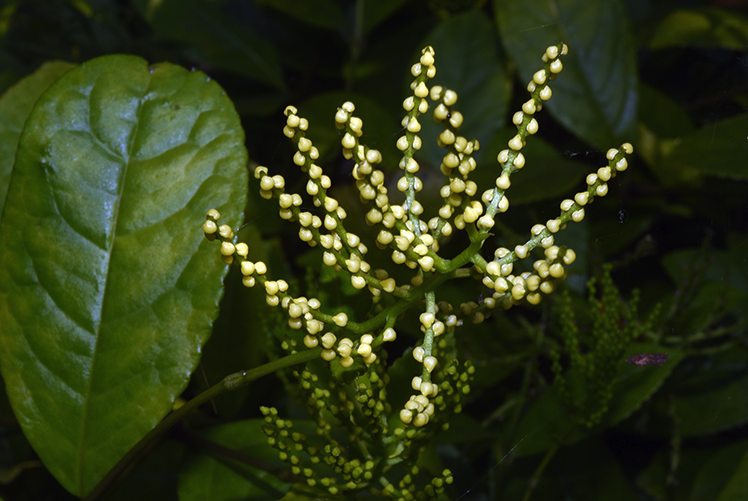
(347, 388)
(595, 354)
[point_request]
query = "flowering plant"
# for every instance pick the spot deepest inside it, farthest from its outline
(110, 330)
(352, 393)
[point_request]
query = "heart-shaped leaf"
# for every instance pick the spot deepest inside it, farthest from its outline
(108, 288)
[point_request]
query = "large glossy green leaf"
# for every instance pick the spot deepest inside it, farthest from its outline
(107, 286)
(595, 96)
(15, 106)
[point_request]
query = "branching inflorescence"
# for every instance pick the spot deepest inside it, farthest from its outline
(412, 239)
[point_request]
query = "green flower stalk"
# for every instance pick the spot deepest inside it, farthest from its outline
(351, 392)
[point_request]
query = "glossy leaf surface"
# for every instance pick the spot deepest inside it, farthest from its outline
(108, 288)
(595, 96)
(15, 106)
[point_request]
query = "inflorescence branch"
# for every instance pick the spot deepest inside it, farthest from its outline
(412, 241)
(354, 349)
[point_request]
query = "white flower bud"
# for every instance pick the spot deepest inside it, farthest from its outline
(328, 340)
(418, 353)
(429, 363)
(341, 319)
(364, 350)
(450, 98)
(227, 248)
(516, 143)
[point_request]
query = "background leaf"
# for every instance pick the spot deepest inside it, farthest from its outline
(15, 106)
(228, 478)
(635, 385)
(713, 397)
(208, 28)
(596, 94)
(324, 14)
(704, 27)
(107, 286)
(547, 420)
(719, 148)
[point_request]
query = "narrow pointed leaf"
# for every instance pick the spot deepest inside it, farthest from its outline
(108, 288)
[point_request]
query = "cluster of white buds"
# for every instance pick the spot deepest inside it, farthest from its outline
(410, 238)
(343, 250)
(511, 289)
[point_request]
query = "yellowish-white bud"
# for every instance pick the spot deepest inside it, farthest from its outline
(389, 334)
(418, 353)
(429, 363)
(341, 319)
